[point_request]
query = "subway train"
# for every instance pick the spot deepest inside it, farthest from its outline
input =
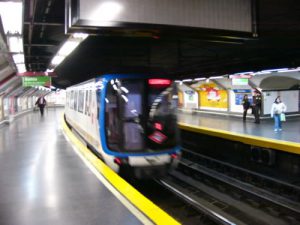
(129, 121)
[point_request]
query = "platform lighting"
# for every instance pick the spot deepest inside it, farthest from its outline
(81, 36)
(199, 79)
(15, 43)
(67, 48)
(18, 58)
(11, 15)
(187, 80)
(21, 68)
(260, 73)
(217, 77)
(275, 70)
(57, 60)
(290, 70)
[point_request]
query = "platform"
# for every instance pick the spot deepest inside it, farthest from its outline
(249, 132)
(43, 181)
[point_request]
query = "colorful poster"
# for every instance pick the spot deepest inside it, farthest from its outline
(180, 99)
(212, 97)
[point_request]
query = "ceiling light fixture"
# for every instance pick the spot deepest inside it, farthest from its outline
(11, 15)
(217, 77)
(67, 48)
(18, 58)
(199, 79)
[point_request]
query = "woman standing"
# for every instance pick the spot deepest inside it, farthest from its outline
(246, 106)
(277, 109)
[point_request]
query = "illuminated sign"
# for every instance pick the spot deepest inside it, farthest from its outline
(162, 82)
(240, 81)
(36, 81)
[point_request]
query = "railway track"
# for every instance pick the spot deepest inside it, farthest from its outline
(219, 192)
(277, 192)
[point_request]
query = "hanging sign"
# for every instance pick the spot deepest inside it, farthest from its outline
(36, 81)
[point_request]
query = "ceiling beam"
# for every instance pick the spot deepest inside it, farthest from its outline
(40, 45)
(44, 24)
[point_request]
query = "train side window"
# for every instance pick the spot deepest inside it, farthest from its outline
(75, 100)
(87, 103)
(72, 100)
(80, 101)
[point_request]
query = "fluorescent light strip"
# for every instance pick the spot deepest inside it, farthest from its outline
(11, 15)
(57, 60)
(15, 44)
(18, 58)
(67, 48)
(291, 70)
(217, 77)
(187, 80)
(198, 79)
(21, 68)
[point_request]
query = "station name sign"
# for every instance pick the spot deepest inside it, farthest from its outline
(36, 81)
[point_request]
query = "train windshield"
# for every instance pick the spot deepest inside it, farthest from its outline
(141, 115)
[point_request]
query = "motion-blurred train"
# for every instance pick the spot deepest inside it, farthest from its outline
(129, 121)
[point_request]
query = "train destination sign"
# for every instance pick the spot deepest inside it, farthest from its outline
(36, 81)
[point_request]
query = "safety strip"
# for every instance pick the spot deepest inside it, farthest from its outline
(287, 146)
(148, 208)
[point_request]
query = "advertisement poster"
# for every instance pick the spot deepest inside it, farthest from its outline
(239, 95)
(180, 99)
(211, 97)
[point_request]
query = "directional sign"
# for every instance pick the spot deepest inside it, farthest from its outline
(36, 81)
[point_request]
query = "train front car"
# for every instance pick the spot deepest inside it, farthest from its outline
(140, 130)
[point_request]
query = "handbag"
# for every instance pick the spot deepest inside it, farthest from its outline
(282, 117)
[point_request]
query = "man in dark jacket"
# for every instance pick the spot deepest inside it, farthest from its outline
(41, 103)
(256, 107)
(246, 106)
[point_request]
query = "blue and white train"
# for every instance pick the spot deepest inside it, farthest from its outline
(129, 121)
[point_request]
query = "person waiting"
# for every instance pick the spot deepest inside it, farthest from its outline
(246, 106)
(256, 107)
(278, 108)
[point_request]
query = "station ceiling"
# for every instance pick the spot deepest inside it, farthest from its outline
(175, 53)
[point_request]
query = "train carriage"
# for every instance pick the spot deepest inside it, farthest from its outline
(129, 121)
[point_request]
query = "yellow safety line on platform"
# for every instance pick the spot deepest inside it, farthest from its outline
(287, 146)
(152, 211)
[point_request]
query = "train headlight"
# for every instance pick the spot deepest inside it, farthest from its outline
(120, 161)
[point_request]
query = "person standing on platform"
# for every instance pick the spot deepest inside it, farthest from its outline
(41, 103)
(256, 107)
(277, 112)
(246, 106)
